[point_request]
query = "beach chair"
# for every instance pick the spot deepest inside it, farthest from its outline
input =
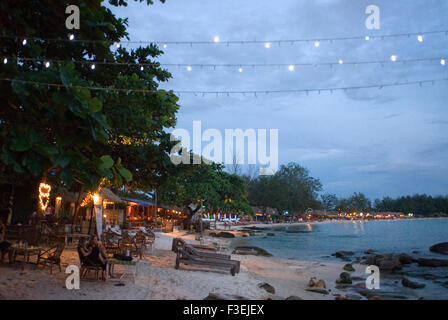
(87, 266)
(51, 256)
(188, 257)
(197, 251)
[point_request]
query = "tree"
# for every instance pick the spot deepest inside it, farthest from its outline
(329, 201)
(358, 202)
(291, 189)
(71, 133)
(205, 184)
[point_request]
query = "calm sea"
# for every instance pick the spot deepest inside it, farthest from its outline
(318, 241)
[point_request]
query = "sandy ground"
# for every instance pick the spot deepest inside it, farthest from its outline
(157, 279)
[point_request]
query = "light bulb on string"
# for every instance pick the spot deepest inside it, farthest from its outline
(188, 68)
(291, 67)
(367, 38)
(393, 58)
(443, 62)
(24, 42)
(240, 69)
(165, 45)
(317, 44)
(340, 61)
(118, 45)
(5, 61)
(92, 66)
(142, 68)
(420, 38)
(267, 45)
(216, 39)
(47, 64)
(71, 36)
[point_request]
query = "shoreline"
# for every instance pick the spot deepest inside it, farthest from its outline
(286, 224)
(159, 280)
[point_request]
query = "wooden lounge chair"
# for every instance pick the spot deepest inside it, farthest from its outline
(51, 256)
(186, 256)
(197, 250)
(189, 255)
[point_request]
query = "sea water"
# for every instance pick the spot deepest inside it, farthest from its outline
(317, 241)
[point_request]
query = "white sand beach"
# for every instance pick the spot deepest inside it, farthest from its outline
(158, 279)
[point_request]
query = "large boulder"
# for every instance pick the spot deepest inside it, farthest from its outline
(405, 258)
(441, 248)
(348, 267)
(344, 278)
(385, 262)
(224, 234)
(317, 286)
(410, 284)
(432, 262)
(221, 296)
(251, 250)
(343, 254)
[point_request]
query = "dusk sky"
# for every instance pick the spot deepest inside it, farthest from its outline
(390, 141)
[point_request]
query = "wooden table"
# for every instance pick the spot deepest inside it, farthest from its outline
(112, 262)
(27, 252)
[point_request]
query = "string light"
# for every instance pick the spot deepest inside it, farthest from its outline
(92, 66)
(279, 41)
(165, 45)
(5, 61)
(253, 92)
(47, 64)
(240, 69)
(267, 45)
(71, 37)
(443, 62)
(118, 45)
(317, 44)
(392, 59)
(216, 39)
(44, 195)
(24, 42)
(420, 38)
(291, 67)
(142, 68)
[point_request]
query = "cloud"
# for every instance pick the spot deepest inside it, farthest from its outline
(342, 137)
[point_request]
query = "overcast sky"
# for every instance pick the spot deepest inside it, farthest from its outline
(391, 141)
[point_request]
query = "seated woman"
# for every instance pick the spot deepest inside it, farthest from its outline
(92, 253)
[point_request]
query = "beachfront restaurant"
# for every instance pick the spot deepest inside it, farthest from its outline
(64, 207)
(139, 212)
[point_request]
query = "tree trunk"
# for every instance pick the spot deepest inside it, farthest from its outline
(77, 204)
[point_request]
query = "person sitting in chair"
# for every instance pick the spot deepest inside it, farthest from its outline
(92, 253)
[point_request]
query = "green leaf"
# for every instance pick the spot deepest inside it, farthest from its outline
(20, 144)
(125, 173)
(108, 162)
(95, 105)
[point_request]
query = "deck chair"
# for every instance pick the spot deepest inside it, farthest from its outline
(51, 256)
(187, 256)
(178, 242)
